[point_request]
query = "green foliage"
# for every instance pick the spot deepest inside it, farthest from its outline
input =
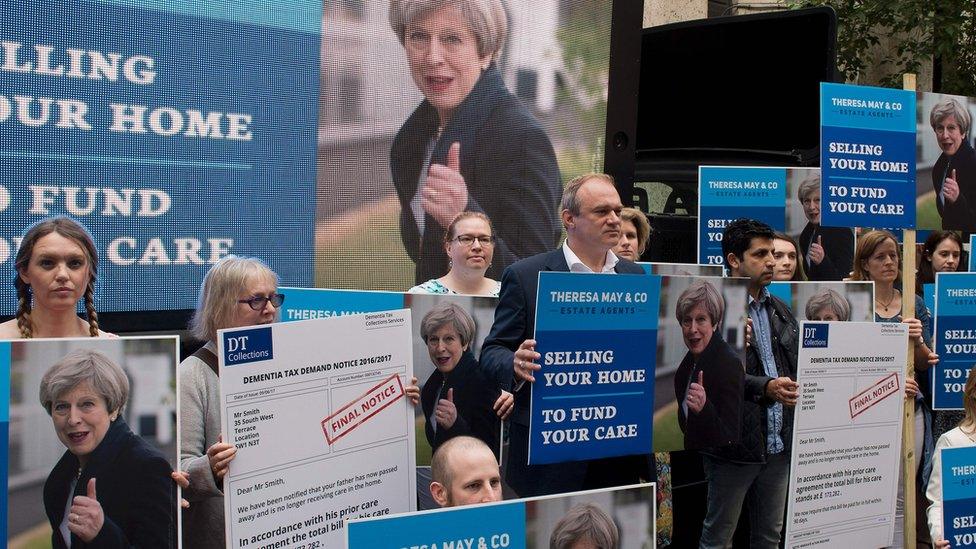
(584, 38)
(916, 30)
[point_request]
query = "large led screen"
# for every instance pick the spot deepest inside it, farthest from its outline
(334, 140)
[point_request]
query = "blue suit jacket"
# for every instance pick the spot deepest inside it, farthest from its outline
(514, 323)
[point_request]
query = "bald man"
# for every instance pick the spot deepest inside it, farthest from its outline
(463, 472)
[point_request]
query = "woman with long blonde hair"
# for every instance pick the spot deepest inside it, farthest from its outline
(56, 267)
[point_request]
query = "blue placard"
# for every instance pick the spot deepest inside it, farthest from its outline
(729, 193)
(928, 295)
(959, 496)
(867, 156)
(306, 303)
(4, 431)
(782, 290)
(176, 133)
(594, 395)
(955, 337)
(482, 526)
(972, 256)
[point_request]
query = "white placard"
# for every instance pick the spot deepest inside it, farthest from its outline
(323, 429)
(847, 434)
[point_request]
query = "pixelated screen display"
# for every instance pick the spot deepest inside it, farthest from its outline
(180, 132)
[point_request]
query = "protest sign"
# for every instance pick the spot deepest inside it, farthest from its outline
(955, 337)
(959, 496)
(322, 426)
(594, 395)
(867, 156)
(626, 514)
(845, 459)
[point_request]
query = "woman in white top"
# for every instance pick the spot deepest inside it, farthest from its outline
(56, 268)
(470, 245)
(962, 435)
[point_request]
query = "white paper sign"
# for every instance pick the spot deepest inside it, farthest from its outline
(847, 433)
(323, 429)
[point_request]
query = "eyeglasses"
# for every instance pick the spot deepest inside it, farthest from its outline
(468, 240)
(257, 303)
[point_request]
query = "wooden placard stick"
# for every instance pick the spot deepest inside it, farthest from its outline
(908, 424)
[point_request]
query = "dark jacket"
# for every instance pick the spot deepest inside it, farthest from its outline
(785, 339)
(514, 323)
(838, 245)
(509, 167)
(133, 486)
(717, 424)
(474, 397)
(960, 215)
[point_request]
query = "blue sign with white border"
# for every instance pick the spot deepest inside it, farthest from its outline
(309, 303)
(959, 496)
(867, 156)
(728, 193)
(972, 256)
(955, 337)
(499, 525)
(4, 430)
(513, 524)
(594, 395)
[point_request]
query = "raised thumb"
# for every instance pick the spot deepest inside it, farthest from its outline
(454, 157)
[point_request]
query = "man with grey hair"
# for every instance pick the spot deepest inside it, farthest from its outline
(828, 252)
(591, 215)
(954, 172)
(464, 471)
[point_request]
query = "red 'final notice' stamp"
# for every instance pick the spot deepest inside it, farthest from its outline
(367, 405)
(867, 398)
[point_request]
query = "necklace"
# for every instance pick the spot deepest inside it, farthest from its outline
(894, 294)
(970, 436)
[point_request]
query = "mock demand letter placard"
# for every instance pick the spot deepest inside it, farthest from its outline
(844, 468)
(323, 429)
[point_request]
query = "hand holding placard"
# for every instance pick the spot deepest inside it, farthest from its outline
(504, 405)
(220, 455)
(525, 358)
(783, 390)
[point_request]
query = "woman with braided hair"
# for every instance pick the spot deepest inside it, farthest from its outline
(56, 267)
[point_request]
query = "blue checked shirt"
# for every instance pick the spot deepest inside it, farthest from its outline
(761, 330)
